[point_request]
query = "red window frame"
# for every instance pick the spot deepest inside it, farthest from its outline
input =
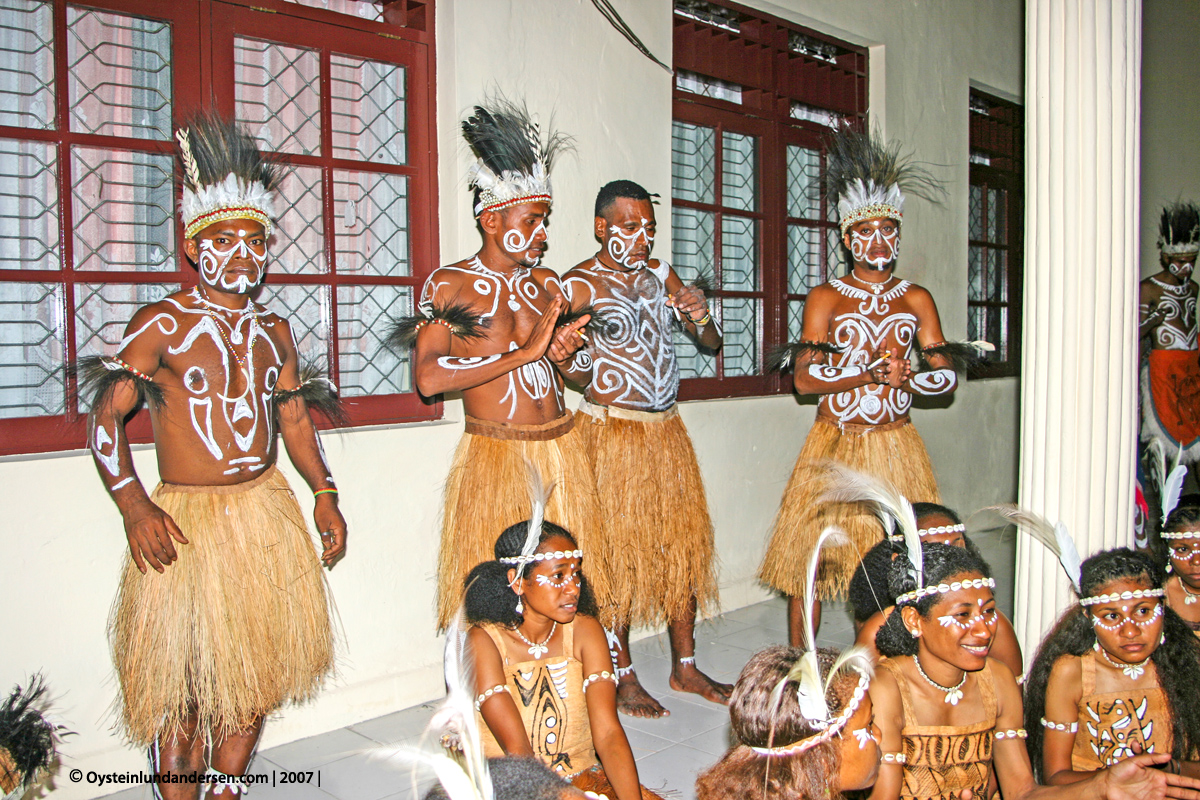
(773, 75)
(202, 78)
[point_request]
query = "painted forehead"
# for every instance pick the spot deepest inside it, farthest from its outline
(233, 227)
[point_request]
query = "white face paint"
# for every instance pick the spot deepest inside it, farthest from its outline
(864, 735)
(214, 261)
(621, 245)
(1100, 623)
(570, 578)
(515, 242)
(1181, 269)
(861, 243)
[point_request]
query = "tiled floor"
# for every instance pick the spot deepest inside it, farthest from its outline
(669, 751)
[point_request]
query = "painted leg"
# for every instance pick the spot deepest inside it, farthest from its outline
(231, 756)
(632, 699)
(685, 677)
(796, 620)
(179, 755)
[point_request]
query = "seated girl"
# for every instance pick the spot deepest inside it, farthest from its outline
(1181, 536)
(784, 754)
(543, 672)
(1112, 678)
(873, 603)
(948, 714)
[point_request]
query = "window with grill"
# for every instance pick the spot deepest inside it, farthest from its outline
(995, 225)
(90, 95)
(755, 98)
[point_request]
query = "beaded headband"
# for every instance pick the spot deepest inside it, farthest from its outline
(943, 588)
(1180, 534)
(881, 210)
(1110, 598)
(835, 726)
(541, 557)
(224, 176)
(939, 530)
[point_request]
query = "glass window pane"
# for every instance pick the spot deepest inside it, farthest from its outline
(975, 322)
(124, 210)
(692, 245)
(803, 182)
(371, 223)
(997, 203)
(306, 308)
(693, 162)
(29, 221)
(364, 9)
(738, 186)
(120, 74)
(804, 259)
(367, 99)
(27, 64)
(998, 286)
(975, 213)
(975, 287)
(739, 320)
(365, 366)
(278, 93)
(298, 244)
(739, 254)
(795, 320)
(838, 257)
(32, 378)
(693, 362)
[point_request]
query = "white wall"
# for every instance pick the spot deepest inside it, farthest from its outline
(1170, 114)
(63, 538)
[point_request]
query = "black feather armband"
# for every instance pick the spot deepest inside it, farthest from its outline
(600, 321)
(97, 376)
(458, 318)
(961, 355)
(317, 391)
(783, 357)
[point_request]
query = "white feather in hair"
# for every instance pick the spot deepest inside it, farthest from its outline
(539, 496)
(1056, 538)
(892, 508)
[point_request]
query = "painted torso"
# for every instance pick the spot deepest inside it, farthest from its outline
(218, 372)
(862, 324)
(510, 305)
(1178, 329)
(633, 360)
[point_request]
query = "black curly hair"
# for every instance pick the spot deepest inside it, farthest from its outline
(742, 774)
(1177, 660)
(868, 590)
(942, 561)
(489, 598)
(516, 778)
(614, 190)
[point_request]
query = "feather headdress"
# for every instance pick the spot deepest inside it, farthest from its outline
(28, 741)
(867, 179)
(1055, 537)
(224, 175)
(1179, 229)
(513, 161)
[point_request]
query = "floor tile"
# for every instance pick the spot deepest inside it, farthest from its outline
(754, 639)
(317, 751)
(363, 777)
(714, 742)
(400, 726)
(674, 769)
(644, 744)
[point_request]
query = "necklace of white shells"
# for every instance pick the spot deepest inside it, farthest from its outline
(953, 693)
(538, 649)
(1132, 671)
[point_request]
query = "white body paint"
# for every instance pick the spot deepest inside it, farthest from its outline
(1178, 328)
(860, 334)
(860, 243)
(213, 262)
(934, 382)
(515, 242)
(621, 245)
(633, 362)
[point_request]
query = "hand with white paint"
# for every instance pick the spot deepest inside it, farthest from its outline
(896, 370)
(567, 340)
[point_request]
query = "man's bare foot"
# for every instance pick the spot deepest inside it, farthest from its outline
(686, 678)
(635, 701)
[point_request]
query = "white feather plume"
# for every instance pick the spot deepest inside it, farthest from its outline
(1056, 538)
(1171, 487)
(886, 502)
(857, 658)
(539, 496)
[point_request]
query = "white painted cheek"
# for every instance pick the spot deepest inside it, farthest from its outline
(859, 243)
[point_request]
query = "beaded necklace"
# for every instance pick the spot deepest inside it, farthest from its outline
(536, 649)
(953, 693)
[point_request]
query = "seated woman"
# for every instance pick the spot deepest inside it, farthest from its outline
(543, 672)
(1181, 536)
(949, 715)
(873, 603)
(1114, 676)
(782, 753)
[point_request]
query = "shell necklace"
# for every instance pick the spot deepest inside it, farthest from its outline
(537, 650)
(953, 693)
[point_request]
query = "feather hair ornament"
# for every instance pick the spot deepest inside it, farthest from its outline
(1170, 484)
(961, 355)
(28, 740)
(886, 502)
(225, 176)
(513, 160)
(1179, 229)
(317, 391)
(1056, 538)
(458, 318)
(783, 357)
(867, 179)
(97, 376)
(539, 496)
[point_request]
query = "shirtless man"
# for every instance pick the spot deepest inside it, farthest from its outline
(223, 614)
(490, 330)
(857, 338)
(1167, 316)
(632, 379)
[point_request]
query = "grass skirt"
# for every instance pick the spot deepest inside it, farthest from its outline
(239, 625)
(487, 490)
(594, 780)
(658, 535)
(893, 452)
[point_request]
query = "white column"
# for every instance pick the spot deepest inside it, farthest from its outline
(1079, 357)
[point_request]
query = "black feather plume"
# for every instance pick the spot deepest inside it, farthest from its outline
(26, 734)
(783, 357)
(97, 376)
(703, 282)
(961, 355)
(459, 318)
(220, 146)
(1179, 224)
(857, 155)
(601, 322)
(317, 391)
(505, 137)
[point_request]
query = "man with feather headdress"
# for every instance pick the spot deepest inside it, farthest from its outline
(491, 326)
(223, 614)
(1167, 316)
(856, 352)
